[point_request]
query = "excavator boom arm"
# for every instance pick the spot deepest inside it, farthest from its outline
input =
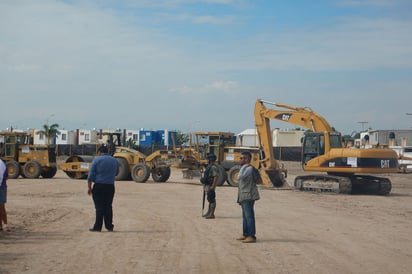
(304, 117)
(294, 115)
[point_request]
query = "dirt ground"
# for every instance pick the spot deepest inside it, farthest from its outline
(159, 229)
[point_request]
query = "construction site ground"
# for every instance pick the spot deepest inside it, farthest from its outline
(159, 229)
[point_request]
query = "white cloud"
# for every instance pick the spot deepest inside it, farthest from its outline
(349, 44)
(224, 85)
(217, 86)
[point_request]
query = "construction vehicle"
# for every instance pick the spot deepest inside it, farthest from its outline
(132, 163)
(404, 157)
(223, 145)
(347, 169)
(24, 158)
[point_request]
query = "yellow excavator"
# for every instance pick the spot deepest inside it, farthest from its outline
(347, 169)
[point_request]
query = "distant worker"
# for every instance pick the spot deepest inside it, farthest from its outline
(209, 180)
(3, 196)
(103, 171)
(111, 147)
(247, 195)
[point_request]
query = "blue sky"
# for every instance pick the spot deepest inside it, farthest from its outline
(200, 65)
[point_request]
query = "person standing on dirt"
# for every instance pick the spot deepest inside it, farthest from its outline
(247, 195)
(103, 171)
(209, 180)
(3, 196)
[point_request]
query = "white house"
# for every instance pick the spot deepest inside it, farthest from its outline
(39, 138)
(86, 136)
(132, 134)
(63, 137)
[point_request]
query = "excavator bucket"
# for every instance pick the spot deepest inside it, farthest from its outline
(273, 178)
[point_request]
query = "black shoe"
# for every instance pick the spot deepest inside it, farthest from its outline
(94, 230)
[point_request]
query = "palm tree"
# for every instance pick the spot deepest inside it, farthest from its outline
(50, 132)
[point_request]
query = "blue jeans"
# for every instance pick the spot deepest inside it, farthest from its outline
(248, 214)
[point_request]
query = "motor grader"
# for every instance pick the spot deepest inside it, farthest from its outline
(24, 158)
(133, 165)
(223, 145)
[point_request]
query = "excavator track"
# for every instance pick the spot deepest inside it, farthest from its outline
(367, 184)
(323, 183)
(355, 184)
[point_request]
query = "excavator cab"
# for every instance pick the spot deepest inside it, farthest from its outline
(318, 143)
(312, 146)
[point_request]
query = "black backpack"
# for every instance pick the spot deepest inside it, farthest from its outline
(206, 179)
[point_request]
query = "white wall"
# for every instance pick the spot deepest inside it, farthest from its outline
(287, 138)
(283, 138)
(247, 138)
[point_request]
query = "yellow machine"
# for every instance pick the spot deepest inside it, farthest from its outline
(132, 163)
(223, 145)
(322, 151)
(24, 158)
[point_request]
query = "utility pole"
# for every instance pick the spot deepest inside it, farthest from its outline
(363, 123)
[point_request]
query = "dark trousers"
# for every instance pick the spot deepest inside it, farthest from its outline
(211, 196)
(103, 198)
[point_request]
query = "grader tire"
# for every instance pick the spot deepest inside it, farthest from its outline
(32, 169)
(140, 173)
(222, 176)
(232, 176)
(49, 172)
(13, 169)
(161, 174)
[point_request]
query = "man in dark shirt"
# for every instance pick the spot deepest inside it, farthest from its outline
(102, 173)
(210, 178)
